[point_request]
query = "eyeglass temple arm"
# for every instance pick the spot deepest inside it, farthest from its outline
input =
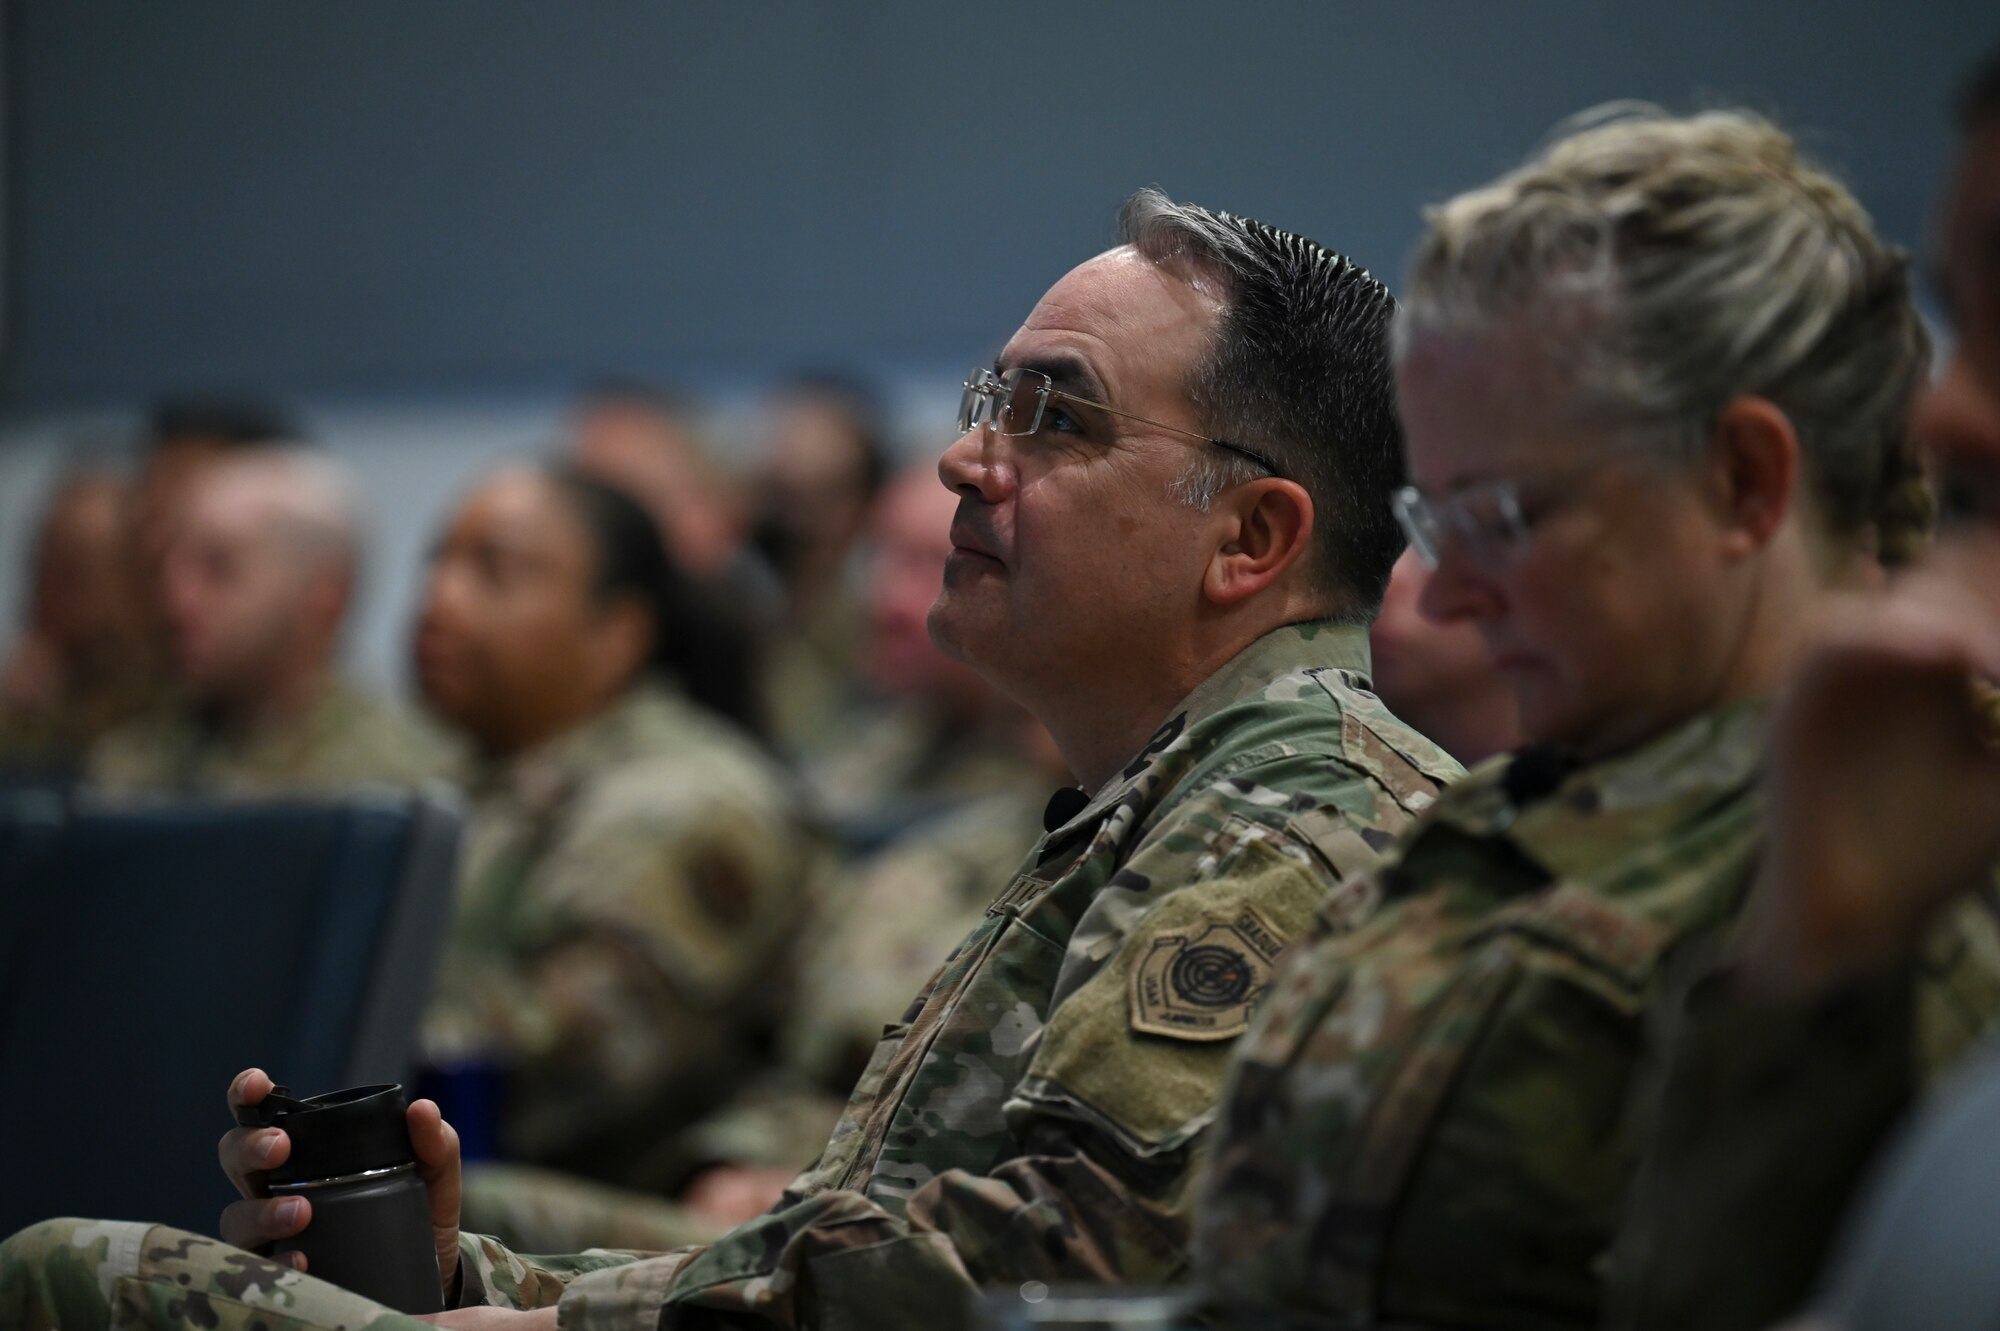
(1224, 444)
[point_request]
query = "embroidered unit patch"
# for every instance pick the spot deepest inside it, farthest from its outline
(1202, 983)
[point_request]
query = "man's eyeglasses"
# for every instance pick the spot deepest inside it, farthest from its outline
(1014, 402)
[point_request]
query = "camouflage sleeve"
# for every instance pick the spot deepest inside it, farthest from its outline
(1766, 1115)
(1105, 1127)
(645, 975)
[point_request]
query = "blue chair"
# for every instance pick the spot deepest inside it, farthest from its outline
(149, 952)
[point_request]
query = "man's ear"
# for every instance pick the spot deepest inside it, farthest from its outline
(620, 643)
(1266, 527)
(1754, 471)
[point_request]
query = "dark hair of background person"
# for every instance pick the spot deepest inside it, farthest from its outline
(629, 390)
(861, 405)
(1979, 98)
(696, 639)
(226, 422)
(1299, 371)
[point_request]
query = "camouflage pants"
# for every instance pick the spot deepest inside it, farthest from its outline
(101, 1275)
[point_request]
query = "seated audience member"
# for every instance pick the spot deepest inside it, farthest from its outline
(1654, 385)
(1440, 675)
(949, 784)
(1201, 418)
(255, 585)
(83, 663)
(183, 437)
(646, 441)
(939, 735)
(635, 864)
(825, 460)
(1790, 1059)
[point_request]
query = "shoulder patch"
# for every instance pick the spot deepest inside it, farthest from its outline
(1204, 981)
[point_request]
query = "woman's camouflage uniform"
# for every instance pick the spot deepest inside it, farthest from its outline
(1437, 1117)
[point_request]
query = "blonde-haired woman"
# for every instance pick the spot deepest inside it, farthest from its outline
(1653, 384)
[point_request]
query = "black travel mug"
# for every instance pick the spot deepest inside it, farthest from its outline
(370, 1230)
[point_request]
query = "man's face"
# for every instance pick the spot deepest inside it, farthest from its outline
(233, 584)
(1071, 557)
(1958, 420)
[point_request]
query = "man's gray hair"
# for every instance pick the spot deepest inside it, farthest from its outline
(1670, 264)
(1299, 372)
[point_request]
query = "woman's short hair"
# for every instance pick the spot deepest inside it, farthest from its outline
(1675, 263)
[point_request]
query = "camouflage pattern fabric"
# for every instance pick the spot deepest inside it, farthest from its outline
(879, 936)
(900, 765)
(53, 741)
(91, 1275)
(1038, 1111)
(1020, 1123)
(628, 894)
(542, 1210)
(1765, 1116)
(1434, 1122)
(345, 739)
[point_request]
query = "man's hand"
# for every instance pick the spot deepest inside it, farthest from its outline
(248, 1153)
(1885, 782)
(728, 1195)
(495, 1319)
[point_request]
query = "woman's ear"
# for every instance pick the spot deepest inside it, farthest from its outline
(1267, 527)
(1754, 471)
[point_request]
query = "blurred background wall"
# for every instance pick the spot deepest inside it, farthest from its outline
(424, 223)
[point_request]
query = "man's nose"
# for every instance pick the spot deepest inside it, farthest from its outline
(976, 464)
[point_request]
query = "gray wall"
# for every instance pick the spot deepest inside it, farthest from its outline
(422, 219)
(396, 195)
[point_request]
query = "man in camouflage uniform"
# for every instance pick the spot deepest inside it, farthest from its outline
(256, 583)
(1179, 593)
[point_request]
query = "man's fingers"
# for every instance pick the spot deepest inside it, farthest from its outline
(249, 1087)
(246, 1153)
(263, 1220)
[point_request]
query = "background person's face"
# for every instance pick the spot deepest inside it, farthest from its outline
(910, 539)
(231, 594)
(1071, 555)
(1958, 420)
(503, 638)
(1615, 622)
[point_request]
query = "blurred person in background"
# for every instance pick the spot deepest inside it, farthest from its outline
(1654, 385)
(84, 661)
(1440, 676)
(937, 734)
(635, 865)
(256, 581)
(940, 802)
(825, 459)
(646, 441)
(183, 437)
(1788, 1065)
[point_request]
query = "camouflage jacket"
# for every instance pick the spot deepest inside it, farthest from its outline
(1038, 1111)
(627, 894)
(345, 739)
(1433, 1122)
(876, 939)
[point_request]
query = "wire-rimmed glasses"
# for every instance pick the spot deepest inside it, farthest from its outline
(1013, 403)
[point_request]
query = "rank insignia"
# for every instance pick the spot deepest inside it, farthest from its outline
(1202, 983)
